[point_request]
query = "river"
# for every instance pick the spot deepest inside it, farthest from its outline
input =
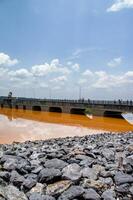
(22, 125)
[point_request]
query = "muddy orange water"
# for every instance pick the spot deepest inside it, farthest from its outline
(22, 125)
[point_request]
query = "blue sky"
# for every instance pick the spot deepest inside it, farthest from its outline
(55, 47)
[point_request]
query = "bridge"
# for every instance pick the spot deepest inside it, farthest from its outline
(99, 108)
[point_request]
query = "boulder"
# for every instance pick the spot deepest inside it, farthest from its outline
(109, 195)
(71, 193)
(91, 194)
(55, 163)
(48, 174)
(121, 178)
(72, 172)
(12, 193)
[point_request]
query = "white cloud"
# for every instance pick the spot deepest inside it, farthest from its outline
(5, 60)
(57, 76)
(3, 72)
(82, 81)
(105, 80)
(115, 62)
(87, 73)
(59, 79)
(19, 74)
(76, 67)
(120, 4)
(53, 67)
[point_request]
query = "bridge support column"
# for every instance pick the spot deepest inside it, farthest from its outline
(45, 108)
(65, 109)
(98, 112)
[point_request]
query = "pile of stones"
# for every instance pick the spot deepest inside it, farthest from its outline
(92, 167)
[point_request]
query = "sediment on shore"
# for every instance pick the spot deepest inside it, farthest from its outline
(91, 167)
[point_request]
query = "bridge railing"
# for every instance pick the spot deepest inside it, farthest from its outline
(22, 100)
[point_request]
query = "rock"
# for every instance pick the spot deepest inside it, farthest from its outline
(71, 193)
(3, 183)
(37, 169)
(12, 193)
(124, 188)
(47, 197)
(1, 154)
(48, 174)
(92, 173)
(36, 196)
(89, 173)
(91, 194)
(29, 183)
(108, 154)
(121, 178)
(130, 148)
(10, 164)
(57, 188)
(72, 172)
(109, 195)
(96, 184)
(5, 175)
(16, 178)
(130, 160)
(37, 189)
(55, 163)
(2, 191)
(131, 190)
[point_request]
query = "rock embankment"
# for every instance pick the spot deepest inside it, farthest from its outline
(91, 167)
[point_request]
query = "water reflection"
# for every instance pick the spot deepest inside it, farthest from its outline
(21, 125)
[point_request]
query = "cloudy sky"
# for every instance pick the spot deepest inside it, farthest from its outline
(64, 48)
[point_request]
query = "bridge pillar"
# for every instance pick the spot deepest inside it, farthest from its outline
(45, 108)
(98, 112)
(65, 109)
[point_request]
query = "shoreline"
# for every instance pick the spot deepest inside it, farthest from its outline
(94, 167)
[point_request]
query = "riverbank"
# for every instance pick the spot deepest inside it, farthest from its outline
(91, 167)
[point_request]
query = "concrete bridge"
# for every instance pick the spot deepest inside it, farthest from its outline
(99, 108)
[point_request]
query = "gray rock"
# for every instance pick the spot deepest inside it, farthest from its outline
(47, 197)
(91, 194)
(16, 178)
(55, 163)
(2, 191)
(48, 174)
(37, 196)
(124, 188)
(29, 183)
(5, 175)
(12, 193)
(109, 195)
(131, 190)
(10, 164)
(72, 172)
(108, 154)
(130, 160)
(121, 178)
(92, 173)
(71, 193)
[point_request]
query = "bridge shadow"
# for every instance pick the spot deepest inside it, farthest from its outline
(77, 111)
(113, 114)
(36, 108)
(55, 109)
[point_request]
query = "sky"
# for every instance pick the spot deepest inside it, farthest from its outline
(67, 49)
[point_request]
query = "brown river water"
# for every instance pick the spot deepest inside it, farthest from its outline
(22, 125)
